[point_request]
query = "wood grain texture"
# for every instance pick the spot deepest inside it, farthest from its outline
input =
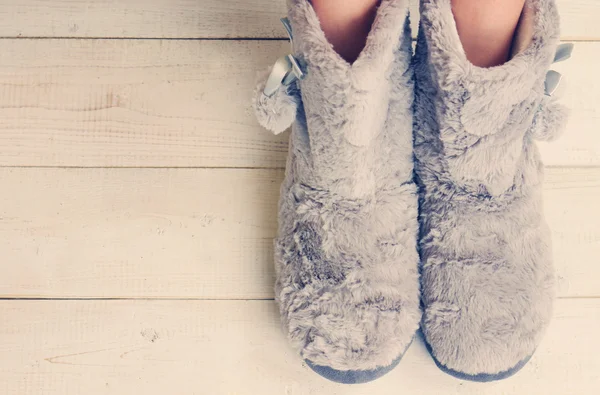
(156, 103)
(134, 103)
(199, 18)
(202, 233)
(236, 347)
(138, 233)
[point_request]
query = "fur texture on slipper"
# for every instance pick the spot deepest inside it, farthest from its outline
(487, 273)
(346, 258)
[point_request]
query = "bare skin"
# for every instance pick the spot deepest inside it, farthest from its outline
(346, 24)
(486, 27)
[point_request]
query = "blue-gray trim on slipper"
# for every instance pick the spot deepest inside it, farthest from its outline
(352, 376)
(481, 377)
(356, 376)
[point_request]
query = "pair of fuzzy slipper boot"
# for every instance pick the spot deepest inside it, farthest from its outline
(387, 225)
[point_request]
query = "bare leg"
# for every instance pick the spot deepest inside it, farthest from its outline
(346, 24)
(486, 28)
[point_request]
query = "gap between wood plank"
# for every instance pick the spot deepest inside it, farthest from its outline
(5, 298)
(25, 299)
(586, 167)
(181, 167)
(563, 39)
(155, 38)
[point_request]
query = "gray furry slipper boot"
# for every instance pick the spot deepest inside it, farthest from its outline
(346, 256)
(487, 276)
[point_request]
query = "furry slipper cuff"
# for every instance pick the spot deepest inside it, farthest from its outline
(484, 114)
(346, 259)
(487, 275)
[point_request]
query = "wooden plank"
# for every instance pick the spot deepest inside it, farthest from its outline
(134, 103)
(202, 233)
(138, 233)
(236, 347)
(580, 143)
(155, 103)
(570, 200)
(199, 19)
(142, 18)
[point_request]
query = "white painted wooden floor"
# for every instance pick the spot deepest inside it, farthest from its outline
(138, 203)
